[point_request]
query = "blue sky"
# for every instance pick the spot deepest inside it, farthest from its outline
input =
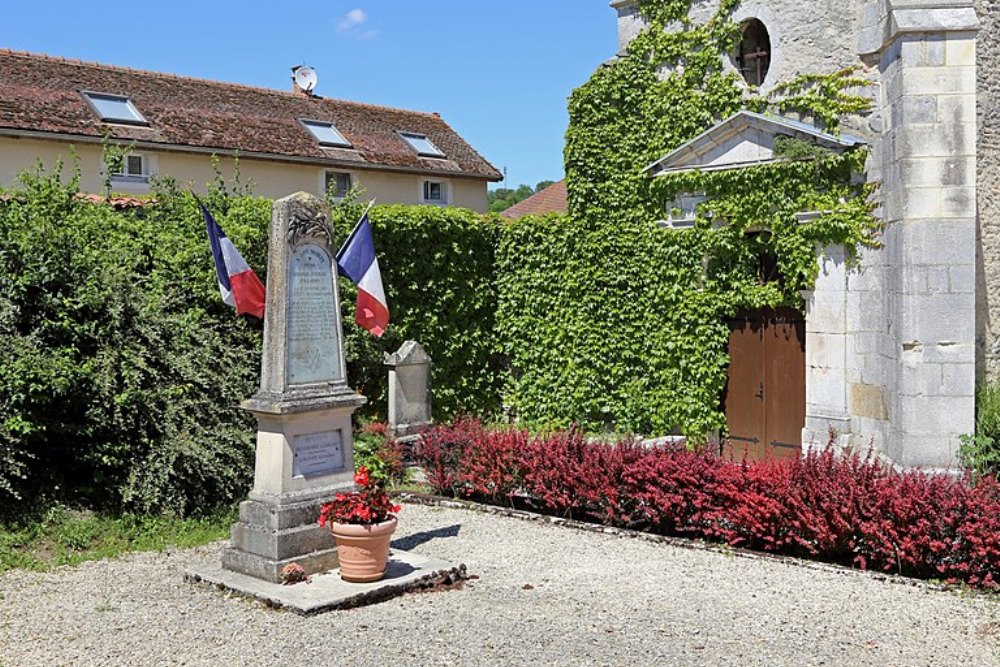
(498, 72)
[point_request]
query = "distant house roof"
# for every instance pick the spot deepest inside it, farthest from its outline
(743, 139)
(45, 96)
(550, 200)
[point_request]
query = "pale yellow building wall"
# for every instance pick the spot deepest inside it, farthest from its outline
(270, 179)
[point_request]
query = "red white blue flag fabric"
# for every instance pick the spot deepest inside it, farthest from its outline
(239, 285)
(356, 260)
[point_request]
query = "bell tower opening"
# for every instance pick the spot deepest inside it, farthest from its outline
(752, 57)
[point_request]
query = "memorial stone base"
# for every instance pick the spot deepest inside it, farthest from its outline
(303, 459)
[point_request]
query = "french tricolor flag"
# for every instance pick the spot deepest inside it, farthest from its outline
(357, 261)
(239, 285)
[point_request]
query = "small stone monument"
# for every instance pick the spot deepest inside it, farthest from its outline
(409, 389)
(304, 405)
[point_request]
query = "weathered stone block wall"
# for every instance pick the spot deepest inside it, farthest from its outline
(821, 38)
(925, 157)
(988, 192)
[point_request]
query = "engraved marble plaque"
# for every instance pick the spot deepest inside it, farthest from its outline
(317, 454)
(313, 337)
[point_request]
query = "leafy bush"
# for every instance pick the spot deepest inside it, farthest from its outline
(121, 369)
(980, 452)
(845, 509)
(377, 452)
(438, 268)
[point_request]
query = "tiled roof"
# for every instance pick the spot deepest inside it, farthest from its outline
(43, 94)
(550, 200)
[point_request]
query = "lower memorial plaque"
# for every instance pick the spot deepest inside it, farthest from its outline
(317, 454)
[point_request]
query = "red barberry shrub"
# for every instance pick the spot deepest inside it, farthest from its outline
(842, 508)
(442, 450)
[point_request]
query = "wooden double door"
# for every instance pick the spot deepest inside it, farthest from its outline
(765, 397)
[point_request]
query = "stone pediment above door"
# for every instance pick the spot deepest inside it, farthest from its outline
(745, 139)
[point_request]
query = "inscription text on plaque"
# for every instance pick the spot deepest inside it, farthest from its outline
(317, 454)
(313, 346)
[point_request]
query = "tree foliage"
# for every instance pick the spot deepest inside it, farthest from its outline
(501, 199)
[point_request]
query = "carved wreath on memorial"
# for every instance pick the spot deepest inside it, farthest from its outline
(308, 224)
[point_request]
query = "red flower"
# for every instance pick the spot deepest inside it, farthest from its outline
(367, 506)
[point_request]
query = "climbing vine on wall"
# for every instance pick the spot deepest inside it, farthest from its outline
(609, 320)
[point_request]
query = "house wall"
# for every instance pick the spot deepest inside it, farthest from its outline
(271, 179)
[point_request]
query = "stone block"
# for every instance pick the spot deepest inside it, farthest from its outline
(962, 278)
(825, 350)
(958, 202)
(949, 353)
(938, 416)
(936, 318)
(937, 242)
(409, 389)
(915, 109)
(921, 203)
(960, 49)
(825, 313)
(956, 108)
(938, 80)
(876, 369)
(868, 400)
(934, 51)
(936, 452)
(958, 380)
(934, 19)
(266, 569)
(280, 544)
(920, 379)
(936, 171)
(825, 389)
(935, 140)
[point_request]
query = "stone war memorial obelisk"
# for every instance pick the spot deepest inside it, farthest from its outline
(304, 404)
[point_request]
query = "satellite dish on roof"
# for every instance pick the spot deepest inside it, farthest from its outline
(305, 78)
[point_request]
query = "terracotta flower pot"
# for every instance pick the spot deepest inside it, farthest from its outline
(363, 550)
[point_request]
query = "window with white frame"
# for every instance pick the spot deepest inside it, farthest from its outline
(133, 167)
(434, 192)
(338, 183)
(115, 108)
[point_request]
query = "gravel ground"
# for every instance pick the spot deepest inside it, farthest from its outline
(547, 595)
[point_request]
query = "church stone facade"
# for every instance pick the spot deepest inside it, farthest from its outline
(895, 347)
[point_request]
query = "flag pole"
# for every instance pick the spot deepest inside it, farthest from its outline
(356, 226)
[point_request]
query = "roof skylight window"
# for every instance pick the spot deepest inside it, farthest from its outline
(326, 134)
(421, 144)
(115, 108)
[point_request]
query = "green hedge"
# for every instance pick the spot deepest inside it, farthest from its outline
(121, 370)
(438, 269)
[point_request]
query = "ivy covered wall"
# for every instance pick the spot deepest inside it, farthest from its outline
(611, 321)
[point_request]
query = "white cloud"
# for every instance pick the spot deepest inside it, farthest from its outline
(368, 34)
(352, 19)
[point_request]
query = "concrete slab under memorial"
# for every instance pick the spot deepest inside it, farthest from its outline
(325, 592)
